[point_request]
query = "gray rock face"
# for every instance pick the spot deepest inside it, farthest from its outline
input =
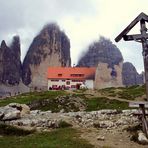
(64, 103)
(130, 75)
(142, 138)
(102, 51)
(10, 64)
(51, 47)
(105, 119)
(13, 111)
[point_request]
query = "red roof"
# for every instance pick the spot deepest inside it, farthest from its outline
(71, 73)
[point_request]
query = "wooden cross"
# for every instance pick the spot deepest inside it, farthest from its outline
(142, 38)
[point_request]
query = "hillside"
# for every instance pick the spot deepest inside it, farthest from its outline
(98, 118)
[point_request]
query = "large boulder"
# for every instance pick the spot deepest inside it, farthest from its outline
(24, 109)
(8, 113)
(13, 111)
(142, 138)
(51, 47)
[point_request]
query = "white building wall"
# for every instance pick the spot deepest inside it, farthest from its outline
(89, 84)
(61, 82)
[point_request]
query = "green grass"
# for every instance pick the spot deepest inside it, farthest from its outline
(66, 102)
(47, 100)
(83, 90)
(12, 130)
(107, 147)
(64, 124)
(27, 98)
(109, 90)
(104, 103)
(61, 138)
(128, 93)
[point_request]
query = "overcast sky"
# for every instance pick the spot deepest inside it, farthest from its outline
(82, 20)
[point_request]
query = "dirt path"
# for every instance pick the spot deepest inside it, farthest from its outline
(92, 93)
(109, 97)
(113, 138)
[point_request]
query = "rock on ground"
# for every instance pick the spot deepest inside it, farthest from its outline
(13, 111)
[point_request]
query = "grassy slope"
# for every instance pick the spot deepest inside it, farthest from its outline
(60, 138)
(128, 93)
(29, 97)
(96, 103)
(105, 103)
(66, 137)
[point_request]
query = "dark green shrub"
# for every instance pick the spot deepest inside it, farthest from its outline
(12, 130)
(64, 124)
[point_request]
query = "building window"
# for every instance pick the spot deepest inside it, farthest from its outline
(77, 75)
(77, 80)
(54, 86)
(68, 83)
(73, 86)
(55, 80)
(59, 75)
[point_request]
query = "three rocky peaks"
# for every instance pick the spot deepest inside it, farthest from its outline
(51, 47)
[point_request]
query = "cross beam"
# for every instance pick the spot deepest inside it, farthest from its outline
(141, 16)
(136, 37)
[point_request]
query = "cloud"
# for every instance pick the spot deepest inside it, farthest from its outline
(82, 20)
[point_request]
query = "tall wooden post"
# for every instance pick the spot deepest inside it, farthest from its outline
(142, 38)
(145, 52)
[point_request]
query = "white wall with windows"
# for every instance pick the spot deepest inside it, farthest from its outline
(69, 84)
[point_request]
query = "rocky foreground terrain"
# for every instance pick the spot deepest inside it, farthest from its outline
(111, 128)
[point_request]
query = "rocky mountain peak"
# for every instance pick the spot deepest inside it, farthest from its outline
(130, 76)
(3, 44)
(103, 51)
(10, 64)
(15, 46)
(51, 47)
